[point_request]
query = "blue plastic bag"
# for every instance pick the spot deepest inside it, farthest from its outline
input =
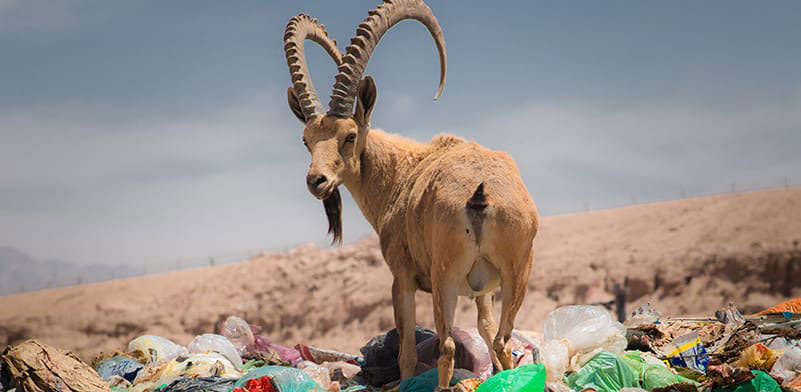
(120, 365)
(428, 380)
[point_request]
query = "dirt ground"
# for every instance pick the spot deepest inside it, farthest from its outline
(686, 257)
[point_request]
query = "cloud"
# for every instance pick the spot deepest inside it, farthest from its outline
(97, 184)
(609, 154)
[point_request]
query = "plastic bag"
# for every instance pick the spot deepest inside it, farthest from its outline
(262, 384)
(156, 348)
(555, 357)
(37, 367)
(318, 373)
(217, 343)
(471, 352)
(427, 381)
(193, 365)
(249, 343)
(654, 376)
(687, 351)
(345, 369)
(527, 378)
(120, 365)
(584, 331)
(238, 332)
(381, 356)
(652, 372)
(644, 314)
(196, 384)
(788, 366)
(791, 305)
(285, 378)
(586, 328)
(758, 357)
(761, 382)
(319, 355)
(605, 372)
(525, 350)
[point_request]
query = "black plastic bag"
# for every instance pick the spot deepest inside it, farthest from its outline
(197, 384)
(381, 356)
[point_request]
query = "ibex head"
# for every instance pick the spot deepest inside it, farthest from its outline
(337, 138)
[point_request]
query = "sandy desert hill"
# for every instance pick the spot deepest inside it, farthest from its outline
(686, 257)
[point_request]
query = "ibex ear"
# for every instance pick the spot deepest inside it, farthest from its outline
(366, 101)
(292, 97)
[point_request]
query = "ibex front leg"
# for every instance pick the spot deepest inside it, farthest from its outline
(403, 290)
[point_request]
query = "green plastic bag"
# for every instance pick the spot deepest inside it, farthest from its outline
(651, 375)
(605, 372)
(526, 378)
(655, 376)
(761, 383)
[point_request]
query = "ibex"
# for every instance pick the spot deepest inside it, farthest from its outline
(453, 218)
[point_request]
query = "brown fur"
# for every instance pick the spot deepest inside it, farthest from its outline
(415, 195)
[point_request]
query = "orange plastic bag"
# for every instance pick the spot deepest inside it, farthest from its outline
(791, 305)
(758, 357)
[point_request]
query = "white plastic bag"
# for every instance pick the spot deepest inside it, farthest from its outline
(644, 314)
(554, 355)
(238, 333)
(582, 331)
(192, 365)
(788, 366)
(156, 348)
(209, 342)
(318, 373)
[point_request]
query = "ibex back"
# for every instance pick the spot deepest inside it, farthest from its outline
(453, 218)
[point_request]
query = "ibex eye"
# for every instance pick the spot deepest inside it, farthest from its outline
(350, 138)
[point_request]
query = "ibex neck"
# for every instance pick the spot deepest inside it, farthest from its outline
(386, 165)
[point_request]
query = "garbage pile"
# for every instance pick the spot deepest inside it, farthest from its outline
(582, 349)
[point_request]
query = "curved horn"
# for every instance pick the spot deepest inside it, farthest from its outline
(299, 29)
(367, 36)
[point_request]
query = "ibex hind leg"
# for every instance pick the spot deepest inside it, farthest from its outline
(487, 327)
(514, 281)
(444, 296)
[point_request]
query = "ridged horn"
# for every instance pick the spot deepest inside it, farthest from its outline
(299, 29)
(367, 36)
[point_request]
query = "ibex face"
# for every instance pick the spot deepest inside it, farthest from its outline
(332, 144)
(335, 143)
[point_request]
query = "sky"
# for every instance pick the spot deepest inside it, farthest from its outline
(149, 132)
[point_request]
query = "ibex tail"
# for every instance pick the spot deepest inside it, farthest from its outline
(475, 208)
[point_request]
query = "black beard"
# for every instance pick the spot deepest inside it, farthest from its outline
(333, 211)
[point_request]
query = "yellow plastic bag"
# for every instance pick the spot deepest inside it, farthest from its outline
(758, 357)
